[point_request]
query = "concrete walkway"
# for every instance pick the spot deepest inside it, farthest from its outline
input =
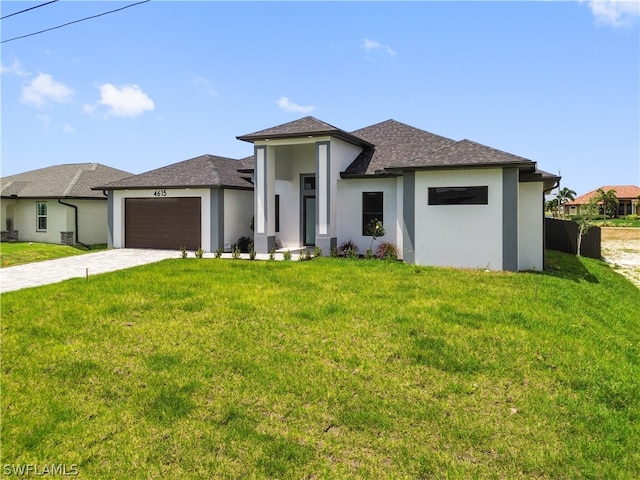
(53, 271)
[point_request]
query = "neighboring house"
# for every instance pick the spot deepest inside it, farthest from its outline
(442, 202)
(629, 203)
(202, 202)
(56, 204)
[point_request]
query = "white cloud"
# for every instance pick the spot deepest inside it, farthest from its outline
(373, 45)
(124, 101)
(615, 13)
(44, 89)
(288, 106)
(15, 69)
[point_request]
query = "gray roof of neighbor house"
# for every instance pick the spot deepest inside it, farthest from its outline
(60, 181)
(304, 127)
(205, 171)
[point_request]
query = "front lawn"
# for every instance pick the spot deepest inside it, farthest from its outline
(28, 252)
(205, 368)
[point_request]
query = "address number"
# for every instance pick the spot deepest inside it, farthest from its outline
(160, 193)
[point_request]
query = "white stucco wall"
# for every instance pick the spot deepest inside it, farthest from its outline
(238, 209)
(350, 211)
(465, 236)
(92, 219)
(530, 226)
(342, 154)
(119, 197)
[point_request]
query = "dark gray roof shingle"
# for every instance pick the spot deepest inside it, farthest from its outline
(304, 127)
(61, 181)
(395, 143)
(207, 171)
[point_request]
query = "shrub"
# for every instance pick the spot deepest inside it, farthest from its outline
(218, 253)
(387, 251)
(252, 253)
(183, 252)
(272, 254)
(287, 255)
(348, 249)
(317, 252)
(199, 252)
(334, 252)
(368, 254)
(632, 217)
(235, 252)
(244, 244)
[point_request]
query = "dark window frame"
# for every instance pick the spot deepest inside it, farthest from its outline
(458, 195)
(372, 209)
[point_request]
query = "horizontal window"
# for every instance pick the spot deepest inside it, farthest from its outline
(459, 195)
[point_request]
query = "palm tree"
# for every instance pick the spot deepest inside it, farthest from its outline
(563, 196)
(608, 199)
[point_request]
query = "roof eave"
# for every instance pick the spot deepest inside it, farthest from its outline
(347, 137)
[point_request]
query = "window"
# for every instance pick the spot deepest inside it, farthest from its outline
(41, 216)
(458, 195)
(372, 203)
(277, 213)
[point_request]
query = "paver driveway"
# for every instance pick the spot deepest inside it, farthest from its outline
(53, 271)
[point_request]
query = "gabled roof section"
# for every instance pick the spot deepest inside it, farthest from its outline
(205, 171)
(626, 192)
(61, 181)
(396, 144)
(304, 127)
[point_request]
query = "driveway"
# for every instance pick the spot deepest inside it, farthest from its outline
(53, 271)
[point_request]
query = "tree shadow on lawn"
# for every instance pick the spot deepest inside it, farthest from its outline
(567, 266)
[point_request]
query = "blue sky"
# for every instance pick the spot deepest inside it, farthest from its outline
(161, 82)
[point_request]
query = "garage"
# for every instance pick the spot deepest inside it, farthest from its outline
(166, 223)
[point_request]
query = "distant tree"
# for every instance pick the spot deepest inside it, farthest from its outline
(609, 203)
(585, 220)
(564, 196)
(552, 206)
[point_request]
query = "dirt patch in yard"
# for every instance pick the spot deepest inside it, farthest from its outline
(621, 248)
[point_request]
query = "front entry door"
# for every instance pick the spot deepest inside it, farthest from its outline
(309, 220)
(308, 193)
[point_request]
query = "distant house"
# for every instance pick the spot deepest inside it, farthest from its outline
(309, 184)
(627, 195)
(56, 204)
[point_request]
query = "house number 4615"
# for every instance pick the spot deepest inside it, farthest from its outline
(160, 193)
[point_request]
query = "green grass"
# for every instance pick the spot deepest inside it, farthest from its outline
(326, 369)
(28, 252)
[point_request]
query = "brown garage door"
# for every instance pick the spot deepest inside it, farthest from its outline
(162, 223)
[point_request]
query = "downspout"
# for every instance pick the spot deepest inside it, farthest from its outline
(76, 220)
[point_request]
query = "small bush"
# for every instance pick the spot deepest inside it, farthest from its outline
(183, 252)
(199, 252)
(348, 249)
(218, 253)
(244, 244)
(632, 217)
(235, 252)
(252, 253)
(368, 254)
(387, 251)
(272, 254)
(287, 255)
(317, 252)
(334, 252)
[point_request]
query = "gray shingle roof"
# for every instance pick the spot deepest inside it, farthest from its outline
(207, 171)
(396, 144)
(61, 181)
(304, 127)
